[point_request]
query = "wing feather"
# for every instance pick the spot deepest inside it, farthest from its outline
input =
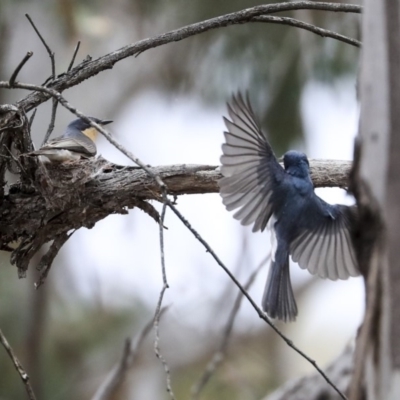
(249, 166)
(324, 246)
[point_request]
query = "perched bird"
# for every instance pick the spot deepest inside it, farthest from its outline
(76, 142)
(315, 233)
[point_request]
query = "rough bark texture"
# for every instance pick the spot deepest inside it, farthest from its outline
(69, 196)
(81, 193)
(376, 186)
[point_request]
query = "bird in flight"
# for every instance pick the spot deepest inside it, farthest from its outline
(314, 233)
(77, 142)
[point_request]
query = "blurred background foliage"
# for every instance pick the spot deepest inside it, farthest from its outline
(66, 341)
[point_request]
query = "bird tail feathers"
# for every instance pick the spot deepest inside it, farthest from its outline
(278, 299)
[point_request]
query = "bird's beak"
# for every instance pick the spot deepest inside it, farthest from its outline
(106, 121)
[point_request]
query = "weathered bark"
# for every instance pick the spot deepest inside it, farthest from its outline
(79, 194)
(377, 188)
(57, 198)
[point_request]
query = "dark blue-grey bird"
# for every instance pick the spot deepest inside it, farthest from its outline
(314, 233)
(77, 142)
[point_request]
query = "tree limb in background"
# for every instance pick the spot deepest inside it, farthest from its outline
(116, 377)
(220, 353)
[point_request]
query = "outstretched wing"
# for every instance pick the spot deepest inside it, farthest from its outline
(323, 246)
(249, 167)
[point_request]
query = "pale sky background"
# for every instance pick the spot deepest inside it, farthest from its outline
(121, 253)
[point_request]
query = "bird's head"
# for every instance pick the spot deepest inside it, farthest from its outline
(296, 164)
(79, 125)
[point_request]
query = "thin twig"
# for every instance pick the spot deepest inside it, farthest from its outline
(15, 159)
(116, 376)
(88, 69)
(71, 64)
(23, 375)
(220, 353)
(53, 75)
(32, 117)
(260, 313)
(157, 315)
(47, 260)
(52, 121)
(308, 27)
(51, 53)
(14, 75)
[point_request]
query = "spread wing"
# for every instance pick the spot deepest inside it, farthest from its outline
(324, 246)
(82, 145)
(249, 166)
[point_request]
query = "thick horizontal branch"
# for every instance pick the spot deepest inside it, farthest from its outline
(80, 194)
(90, 68)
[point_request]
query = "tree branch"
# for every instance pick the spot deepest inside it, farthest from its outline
(89, 68)
(92, 189)
(14, 75)
(308, 27)
(117, 376)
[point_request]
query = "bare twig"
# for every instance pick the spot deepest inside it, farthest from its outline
(49, 51)
(31, 118)
(260, 313)
(53, 75)
(23, 375)
(14, 75)
(52, 121)
(47, 260)
(308, 27)
(220, 353)
(71, 64)
(117, 375)
(87, 69)
(157, 315)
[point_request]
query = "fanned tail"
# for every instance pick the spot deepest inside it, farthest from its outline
(278, 299)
